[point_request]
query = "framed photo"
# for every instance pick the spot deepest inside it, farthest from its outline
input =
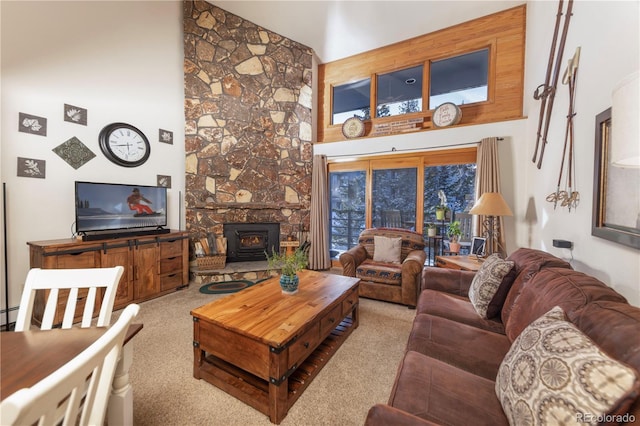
(478, 245)
(615, 205)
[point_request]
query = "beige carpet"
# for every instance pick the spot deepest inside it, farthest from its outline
(358, 376)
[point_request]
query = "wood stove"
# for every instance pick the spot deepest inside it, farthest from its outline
(247, 242)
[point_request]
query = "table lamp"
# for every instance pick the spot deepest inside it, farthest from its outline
(491, 205)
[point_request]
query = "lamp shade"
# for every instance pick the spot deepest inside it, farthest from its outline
(491, 204)
(625, 144)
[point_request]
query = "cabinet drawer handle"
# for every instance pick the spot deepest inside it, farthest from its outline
(306, 345)
(332, 320)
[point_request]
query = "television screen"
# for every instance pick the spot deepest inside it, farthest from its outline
(110, 206)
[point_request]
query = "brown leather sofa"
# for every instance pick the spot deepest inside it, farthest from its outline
(449, 371)
(391, 282)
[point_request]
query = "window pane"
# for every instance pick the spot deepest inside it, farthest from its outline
(394, 198)
(461, 79)
(347, 191)
(457, 182)
(399, 92)
(352, 100)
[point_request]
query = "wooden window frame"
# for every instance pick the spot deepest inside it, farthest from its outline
(503, 33)
(420, 160)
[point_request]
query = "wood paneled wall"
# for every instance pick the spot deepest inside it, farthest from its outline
(503, 33)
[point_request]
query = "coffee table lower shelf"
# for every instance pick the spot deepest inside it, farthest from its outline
(254, 391)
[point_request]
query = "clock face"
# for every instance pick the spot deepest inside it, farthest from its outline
(446, 114)
(124, 144)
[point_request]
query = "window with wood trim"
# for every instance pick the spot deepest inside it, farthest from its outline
(485, 56)
(396, 191)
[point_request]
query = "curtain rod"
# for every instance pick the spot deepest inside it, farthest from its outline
(393, 149)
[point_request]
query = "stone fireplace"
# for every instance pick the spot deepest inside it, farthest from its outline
(248, 125)
(247, 242)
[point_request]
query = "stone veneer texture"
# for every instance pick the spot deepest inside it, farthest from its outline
(248, 123)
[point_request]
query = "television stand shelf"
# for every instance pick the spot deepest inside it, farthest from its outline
(154, 265)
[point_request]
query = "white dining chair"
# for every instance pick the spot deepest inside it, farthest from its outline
(101, 285)
(78, 392)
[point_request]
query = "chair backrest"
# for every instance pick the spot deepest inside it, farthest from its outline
(391, 219)
(411, 240)
(86, 285)
(76, 393)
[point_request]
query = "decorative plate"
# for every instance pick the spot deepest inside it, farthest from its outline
(353, 127)
(446, 114)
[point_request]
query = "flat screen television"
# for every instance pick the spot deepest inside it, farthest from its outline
(117, 207)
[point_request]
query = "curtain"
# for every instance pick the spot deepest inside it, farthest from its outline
(488, 180)
(319, 257)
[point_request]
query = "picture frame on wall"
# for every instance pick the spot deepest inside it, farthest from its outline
(32, 124)
(31, 168)
(614, 216)
(165, 136)
(164, 181)
(75, 114)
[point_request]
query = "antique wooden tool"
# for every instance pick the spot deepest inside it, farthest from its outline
(547, 91)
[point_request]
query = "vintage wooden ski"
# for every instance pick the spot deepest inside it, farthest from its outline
(542, 91)
(550, 91)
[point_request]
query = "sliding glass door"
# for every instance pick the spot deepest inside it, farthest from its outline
(394, 193)
(347, 207)
(397, 191)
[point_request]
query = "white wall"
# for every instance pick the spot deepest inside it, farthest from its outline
(608, 35)
(122, 61)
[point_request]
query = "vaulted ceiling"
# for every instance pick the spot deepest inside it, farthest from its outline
(338, 29)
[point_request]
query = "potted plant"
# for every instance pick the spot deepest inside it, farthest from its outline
(431, 229)
(454, 232)
(288, 265)
(441, 208)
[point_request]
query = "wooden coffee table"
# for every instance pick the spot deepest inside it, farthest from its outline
(264, 347)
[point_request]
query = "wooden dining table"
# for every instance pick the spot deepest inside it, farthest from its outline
(26, 357)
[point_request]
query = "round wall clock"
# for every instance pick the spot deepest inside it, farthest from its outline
(124, 144)
(353, 127)
(446, 114)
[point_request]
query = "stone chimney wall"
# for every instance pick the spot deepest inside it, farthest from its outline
(248, 124)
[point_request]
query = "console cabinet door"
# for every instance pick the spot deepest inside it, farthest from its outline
(121, 256)
(146, 282)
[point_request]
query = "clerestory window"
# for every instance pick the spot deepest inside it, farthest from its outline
(476, 64)
(462, 79)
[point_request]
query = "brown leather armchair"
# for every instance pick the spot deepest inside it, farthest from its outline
(391, 282)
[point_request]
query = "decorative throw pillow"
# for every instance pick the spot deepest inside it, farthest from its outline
(387, 249)
(495, 306)
(486, 282)
(554, 374)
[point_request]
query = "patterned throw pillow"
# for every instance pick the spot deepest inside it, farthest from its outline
(554, 374)
(486, 282)
(387, 249)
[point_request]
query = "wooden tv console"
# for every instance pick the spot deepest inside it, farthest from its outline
(154, 265)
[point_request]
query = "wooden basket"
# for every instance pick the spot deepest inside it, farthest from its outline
(217, 261)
